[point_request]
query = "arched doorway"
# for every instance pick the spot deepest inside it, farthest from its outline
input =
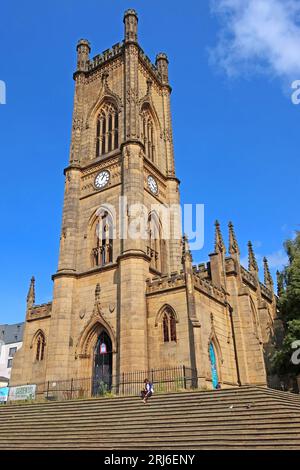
(213, 365)
(102, 366)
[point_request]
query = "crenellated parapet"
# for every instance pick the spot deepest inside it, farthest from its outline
(158, 71)
(207, 288)
(266, 292)
(149, 65)
(38, 312)
(162, 283)
(105, 56)
(249, 278)
(177, 280)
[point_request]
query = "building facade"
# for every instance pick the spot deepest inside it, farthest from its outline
(11, 337)
(123, 303)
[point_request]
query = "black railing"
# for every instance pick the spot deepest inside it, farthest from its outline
(285, 383)
(129, 383)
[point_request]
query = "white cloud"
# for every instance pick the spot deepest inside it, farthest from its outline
(276, 260)
(258, 36)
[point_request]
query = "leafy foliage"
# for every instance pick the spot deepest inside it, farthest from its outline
(289, 308)
(282, 359)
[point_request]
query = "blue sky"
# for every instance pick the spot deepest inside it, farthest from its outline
(236, 131)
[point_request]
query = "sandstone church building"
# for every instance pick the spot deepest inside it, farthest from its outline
(125, 304)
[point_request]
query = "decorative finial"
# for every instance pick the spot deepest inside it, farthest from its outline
(268, 281)
(233, 244)
(97, 294)
(219, 243)
(252, 264)
(31, 293)
(130, 12)
(186, 252)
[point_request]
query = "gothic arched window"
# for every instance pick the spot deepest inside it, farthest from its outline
(40, 347)
(154, 249)
(166, 328)
(148, 134)
(107, 137)
(169, 326)
(102, 252)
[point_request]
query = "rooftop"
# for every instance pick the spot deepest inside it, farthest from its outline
(11, 333)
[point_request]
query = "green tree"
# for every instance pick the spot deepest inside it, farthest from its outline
(289, 307)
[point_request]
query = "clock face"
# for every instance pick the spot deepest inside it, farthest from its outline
(102, 179)
(152, 184)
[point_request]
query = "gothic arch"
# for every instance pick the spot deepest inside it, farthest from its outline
(101, 234)
(162, 310)
(150, 130)
(38, 333)
(214, 340)
(96, 213)
(90, 334)
(157, 249)
(255, 320)
(39, 343)
(103, 97)
(147, 102)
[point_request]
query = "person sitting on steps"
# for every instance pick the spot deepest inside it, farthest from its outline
(148, 391)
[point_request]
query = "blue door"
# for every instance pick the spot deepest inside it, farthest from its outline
(213, 363)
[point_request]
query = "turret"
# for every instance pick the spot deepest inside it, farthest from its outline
(162, 66)
(83, 50)
(130, 21)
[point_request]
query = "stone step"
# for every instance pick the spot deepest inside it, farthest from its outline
(200, 414)
(101, 442)
(108, 404)
(184, 424)
(139, 406)
(222, 421)
(142, 418)
(178, 421)
(38, 409)
(188, 433)
(239, 392)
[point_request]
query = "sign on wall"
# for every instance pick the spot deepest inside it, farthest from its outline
(23, 392)
(3, 394)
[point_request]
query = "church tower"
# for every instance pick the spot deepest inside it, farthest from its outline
(121, 162)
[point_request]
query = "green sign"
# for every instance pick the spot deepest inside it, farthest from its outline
(23, 392)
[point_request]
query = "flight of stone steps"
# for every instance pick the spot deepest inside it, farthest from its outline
(239, 418)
